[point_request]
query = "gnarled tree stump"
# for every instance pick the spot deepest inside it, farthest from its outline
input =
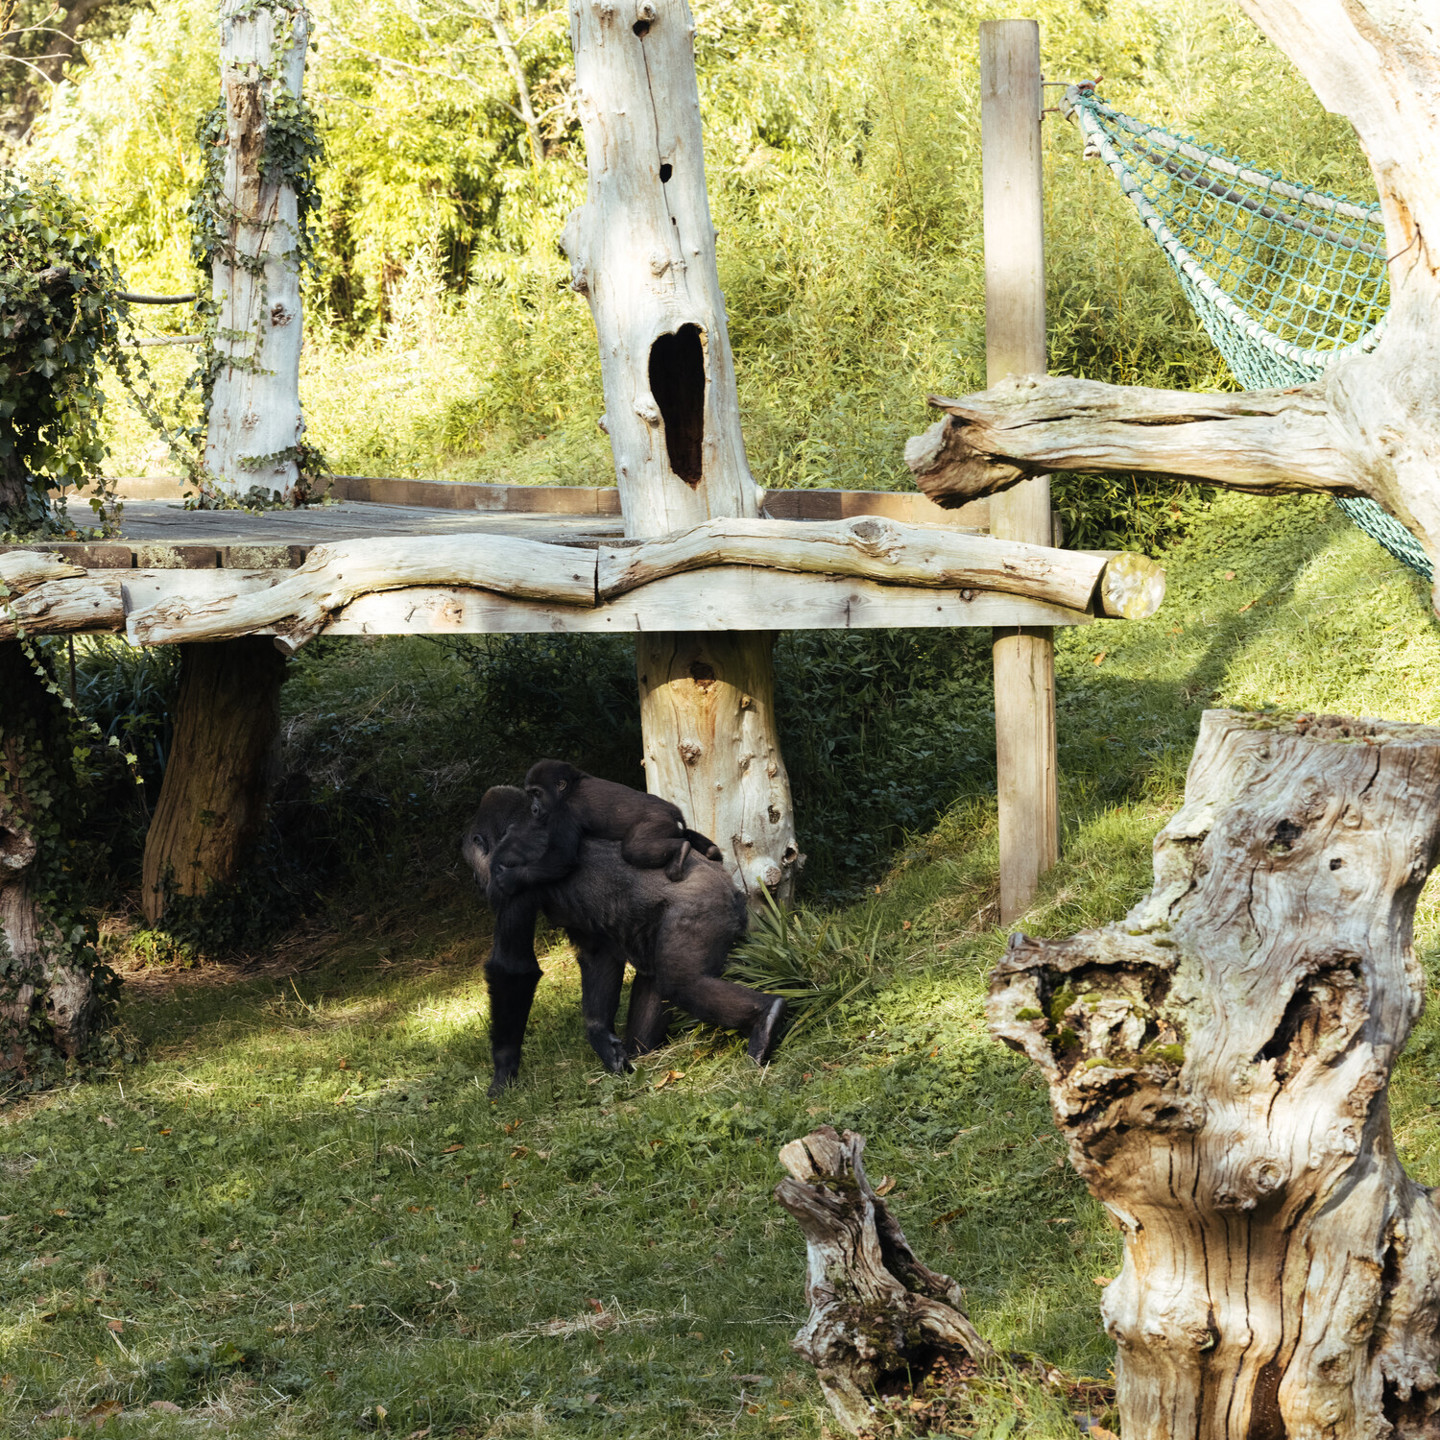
(1219, 1062)
(880, 1321)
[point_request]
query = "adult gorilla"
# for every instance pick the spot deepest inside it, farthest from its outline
(677, 934)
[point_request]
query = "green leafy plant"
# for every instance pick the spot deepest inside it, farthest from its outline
(817, 963)
(60, 318)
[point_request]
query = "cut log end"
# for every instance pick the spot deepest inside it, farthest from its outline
(881, 1322)
(1131, 587)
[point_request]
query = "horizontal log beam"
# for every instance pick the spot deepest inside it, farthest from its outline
(722, 575)
(298, 607)
(739, 598)
(1264, 442)
(870, 548)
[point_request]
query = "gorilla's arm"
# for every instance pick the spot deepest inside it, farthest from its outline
(511, 975)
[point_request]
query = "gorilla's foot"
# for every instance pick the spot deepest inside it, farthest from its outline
(766, 1033)
(607, 1045)
(501, 1082)
(675, 870)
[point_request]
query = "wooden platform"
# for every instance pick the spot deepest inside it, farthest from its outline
(166, 553)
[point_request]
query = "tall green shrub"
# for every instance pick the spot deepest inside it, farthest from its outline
(59, 319)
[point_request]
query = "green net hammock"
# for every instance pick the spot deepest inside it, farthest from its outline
(1283, 277)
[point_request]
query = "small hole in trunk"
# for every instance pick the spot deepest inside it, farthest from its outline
(677, 381)
(641, 28)
(665, 173)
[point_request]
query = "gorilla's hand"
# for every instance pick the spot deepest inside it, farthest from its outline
(505, 881)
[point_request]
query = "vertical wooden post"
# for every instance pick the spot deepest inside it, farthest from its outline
(1024, 657)
(642, 251)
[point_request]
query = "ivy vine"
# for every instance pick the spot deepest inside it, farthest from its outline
(61, 317)
(292, 155)
(49, 754)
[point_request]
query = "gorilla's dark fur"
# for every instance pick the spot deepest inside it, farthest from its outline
(677, 935)
(651, 831)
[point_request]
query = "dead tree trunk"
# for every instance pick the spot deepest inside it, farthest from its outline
(52, 988)
(1219, 1063)
(642, 251)
(221, 769)
(254, 425)
(1370, 426)
(880, 1322)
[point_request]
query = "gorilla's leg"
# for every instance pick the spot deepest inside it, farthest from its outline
(602, 968)
(703, 845)
(732, 1006)
(648, 1021)
(511, 975)
(691, 952)
(656, 843)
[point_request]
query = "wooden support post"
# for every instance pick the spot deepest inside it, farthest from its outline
(1010, 104)
(642, 251)
(221, 769)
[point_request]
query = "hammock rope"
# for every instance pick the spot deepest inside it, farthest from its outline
(1285, 278)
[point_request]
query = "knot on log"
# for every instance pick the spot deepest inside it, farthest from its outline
(880, 1321)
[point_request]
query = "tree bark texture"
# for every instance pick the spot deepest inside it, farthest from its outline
(707, 709)
(642, 251)
(1219, 1063)
(1370, 426)
(51, 996)
(254, 422)
(220, 773)
(879, 1319)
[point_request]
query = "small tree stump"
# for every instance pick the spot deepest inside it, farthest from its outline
(1219, 1062)
(880, 1321)
(221, 769)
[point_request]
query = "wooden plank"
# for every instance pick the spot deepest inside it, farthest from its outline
(739, 598)
(1024, 656)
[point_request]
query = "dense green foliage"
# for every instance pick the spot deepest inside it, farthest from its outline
(842, 157)
(276, 1215)
(59, 319)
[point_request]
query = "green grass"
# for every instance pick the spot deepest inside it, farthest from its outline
(272, 1206)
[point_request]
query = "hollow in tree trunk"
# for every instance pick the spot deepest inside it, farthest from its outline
(1219, 1062)
(53, 989)
(221, 769)
(642, 251)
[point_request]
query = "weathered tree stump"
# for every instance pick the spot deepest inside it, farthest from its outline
(880, 1321)
(220, 772)
(1219, 1062)
(52, 987)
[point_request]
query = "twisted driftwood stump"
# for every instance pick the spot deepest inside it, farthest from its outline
(879, 1320)
(1219, 1062)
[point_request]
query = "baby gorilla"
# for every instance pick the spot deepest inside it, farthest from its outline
(677, 935)
(651, 831)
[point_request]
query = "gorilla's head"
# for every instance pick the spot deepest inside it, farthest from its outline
(502, 832)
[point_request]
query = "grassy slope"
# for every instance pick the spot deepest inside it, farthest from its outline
(278, 1179)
